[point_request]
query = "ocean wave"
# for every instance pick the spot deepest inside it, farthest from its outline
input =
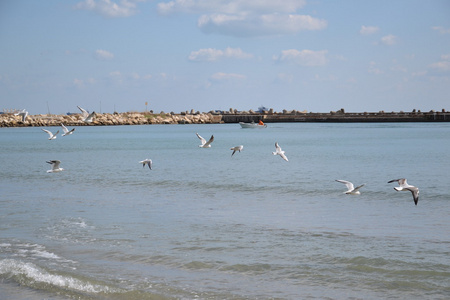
(32, 251)
(31, 275)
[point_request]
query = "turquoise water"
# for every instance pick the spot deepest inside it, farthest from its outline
(207, 225)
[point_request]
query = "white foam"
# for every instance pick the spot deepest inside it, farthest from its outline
(36, 274)
(45, 254)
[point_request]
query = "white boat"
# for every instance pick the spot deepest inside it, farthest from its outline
(252, 125)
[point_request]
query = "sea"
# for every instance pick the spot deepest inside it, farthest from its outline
(206, 224)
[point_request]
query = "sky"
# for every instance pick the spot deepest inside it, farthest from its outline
(179, 55)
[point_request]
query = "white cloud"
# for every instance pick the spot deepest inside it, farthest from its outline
(80, 83)
(133, 76)
(445, 56)
(218, 77)
(124, 8)
(115, 74)
(230, 7)
(441, 29)
(367, 30)
(103, 55)
(284, 78)
(211, 54)
(389, 40)
(442, 65)
(258, 25)
(246, 18)
(304, 57)
(373, 69)
(419, 74)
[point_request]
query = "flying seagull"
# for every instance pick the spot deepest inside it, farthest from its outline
(205, 144)
(55, 166)
(404, 186)
(23, 113)
(279, 152)
(51, 135)
(237, 148)
(351, 190)
(86, 116)
(66, 131)
(146, 162)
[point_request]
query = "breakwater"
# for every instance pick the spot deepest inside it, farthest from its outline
(340, 117)
(231, 116)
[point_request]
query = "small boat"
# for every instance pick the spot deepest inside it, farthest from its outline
(252, 125)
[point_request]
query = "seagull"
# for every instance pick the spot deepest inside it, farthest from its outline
(351, 190)
(404, 186)
(146, 162)
(87, 117)
(66, 131)
(279, 152)
(23, 114)
(237, 148)
(205, 144)
(52, 136)
(55, 166)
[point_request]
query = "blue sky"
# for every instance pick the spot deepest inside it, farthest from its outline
(316, 55)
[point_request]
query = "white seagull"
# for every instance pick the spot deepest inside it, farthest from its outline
(205, 144)
(404, 186)
(55, 166)
(351, 190)
(23, 113)
(146, 161)
(66, 131)
(51, 135)
(279, 152)
(87, 117)
(237, 148)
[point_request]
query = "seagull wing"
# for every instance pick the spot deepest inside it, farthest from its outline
(89, 118)
(277, 147)
(397, 180)
(201, 139)
(84, 113)
(283, 156)
(349, 185)
(210, 141)
(402, 182)
(415, 193)
(24, 115)
(49, 133)
(56, 164)
(64, 128)
(237, 148)
(359, 186)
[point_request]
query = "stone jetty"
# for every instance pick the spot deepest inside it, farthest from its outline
(129, 118)
(214, 117)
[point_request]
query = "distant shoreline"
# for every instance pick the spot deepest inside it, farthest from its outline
(232, 116)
